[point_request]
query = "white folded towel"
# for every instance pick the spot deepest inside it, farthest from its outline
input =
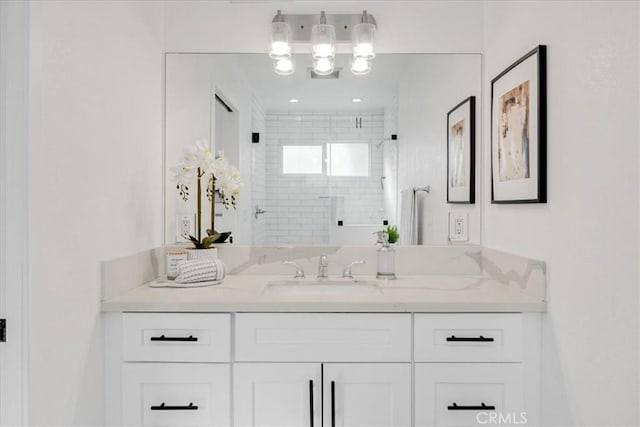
(200, 270)
(409, 217)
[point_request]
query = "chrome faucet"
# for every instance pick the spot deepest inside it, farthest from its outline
(299, 269)
(346, 273)
(323, 266)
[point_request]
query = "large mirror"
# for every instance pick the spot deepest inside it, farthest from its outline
(323, 160)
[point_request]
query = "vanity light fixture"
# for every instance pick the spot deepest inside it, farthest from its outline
(356, 100)
(322, 33)
(360, 66)
(280, 38)
(364, 35)
(323, 46)
(280, 49)
(294, 100)
(284, 66)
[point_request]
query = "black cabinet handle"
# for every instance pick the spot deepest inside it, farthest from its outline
(190, 338)
(163, 407)
(333, 404)
(469, 339)
(311, 403)
(482, 407)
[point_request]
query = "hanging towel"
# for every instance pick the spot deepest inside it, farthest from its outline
(200, 270)
(409, 217)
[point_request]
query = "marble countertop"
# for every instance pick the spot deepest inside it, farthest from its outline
(410, 293)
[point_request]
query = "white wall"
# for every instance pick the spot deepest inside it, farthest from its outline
(95, 185)
(437, 26)
(430, 87)
(588, 231)
(192, 81)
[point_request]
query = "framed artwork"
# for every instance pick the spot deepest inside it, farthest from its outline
(519, 131)
(461, 141)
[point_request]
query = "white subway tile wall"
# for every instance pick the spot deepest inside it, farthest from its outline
(302, 208)
(258, 172)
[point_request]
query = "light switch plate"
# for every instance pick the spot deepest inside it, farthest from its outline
(185, 223)
(458, 227)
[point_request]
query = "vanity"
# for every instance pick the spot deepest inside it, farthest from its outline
(325, 163)
(428, 349)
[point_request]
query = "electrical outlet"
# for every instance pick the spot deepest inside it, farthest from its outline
(185, 226)
(458, 227)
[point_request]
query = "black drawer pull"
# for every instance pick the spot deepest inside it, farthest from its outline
(482, 407)
(163, 407)
(311, 416)
(190, 338)
(469, 339)
(333, 404)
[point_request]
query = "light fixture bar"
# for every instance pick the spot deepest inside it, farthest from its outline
(301, 25)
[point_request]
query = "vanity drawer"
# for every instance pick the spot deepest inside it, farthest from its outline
(468, 337)
(453, 394)
(176, 337)
(175, 394)
(326, 337)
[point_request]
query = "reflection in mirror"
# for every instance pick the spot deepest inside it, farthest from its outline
(323, 160)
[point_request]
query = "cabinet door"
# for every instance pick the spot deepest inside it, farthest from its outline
(367, 395)
(468, 394)
(175, 394)
(277, 394)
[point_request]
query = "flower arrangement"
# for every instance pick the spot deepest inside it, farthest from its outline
(199, 164)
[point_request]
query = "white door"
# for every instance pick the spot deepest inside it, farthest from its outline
(14, 146)
(277, 394)
(367, 395)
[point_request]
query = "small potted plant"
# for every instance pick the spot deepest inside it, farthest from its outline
(392, 232)
(220, 178)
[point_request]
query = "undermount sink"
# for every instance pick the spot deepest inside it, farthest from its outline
(321, 287)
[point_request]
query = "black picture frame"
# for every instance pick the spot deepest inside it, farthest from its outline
(532, 186)
(463, 194)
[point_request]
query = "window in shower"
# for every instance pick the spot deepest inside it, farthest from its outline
(348, 159)
(302, 159)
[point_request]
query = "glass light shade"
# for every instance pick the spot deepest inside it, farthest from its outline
(323, 41)
(360, 66)
(280, 40)
(323, 66)
(284, 66)
(363, 40)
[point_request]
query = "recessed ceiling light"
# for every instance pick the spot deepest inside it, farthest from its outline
(294, 100)
(356, 100)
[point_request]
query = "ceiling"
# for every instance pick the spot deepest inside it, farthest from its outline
(376, 89)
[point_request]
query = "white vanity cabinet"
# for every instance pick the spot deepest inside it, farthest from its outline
(321, 369)
(276, 385)
(168, 369)
(472, 369)
(327, 394)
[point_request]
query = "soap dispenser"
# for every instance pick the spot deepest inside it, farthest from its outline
(386, 258)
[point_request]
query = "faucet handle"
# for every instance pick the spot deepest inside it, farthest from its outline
(299, 269)
(346, 273)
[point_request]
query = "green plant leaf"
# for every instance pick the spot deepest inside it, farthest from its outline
(196, 242)
(392, 232)
(208, 241)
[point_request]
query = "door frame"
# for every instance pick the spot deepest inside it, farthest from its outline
(14, 219)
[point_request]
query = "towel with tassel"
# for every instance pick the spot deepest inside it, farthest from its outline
(200, 270)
